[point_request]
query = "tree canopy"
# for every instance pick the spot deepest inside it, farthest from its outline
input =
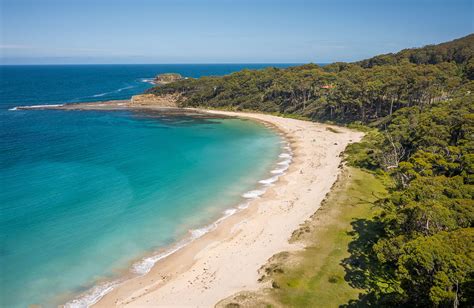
(419, 103)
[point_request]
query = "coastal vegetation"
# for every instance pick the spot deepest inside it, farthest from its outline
(167, 78)
(334, 238)
(341, 92)
(415, 245)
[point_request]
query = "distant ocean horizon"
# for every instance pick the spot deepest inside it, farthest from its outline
(252, 65)
(89, 195)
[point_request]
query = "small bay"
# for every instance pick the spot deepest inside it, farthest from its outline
(86, 193)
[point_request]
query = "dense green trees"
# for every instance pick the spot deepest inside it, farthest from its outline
(340, 92)
(427, 240)
(419, 103)
(322, 93)
(458, 51)
(431, 269)
(428, 237)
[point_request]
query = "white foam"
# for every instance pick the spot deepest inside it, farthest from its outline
(253, 194)
(124, 88)
(243, 206)
(143, 266)
(148, 80)
(43, 106)
(285, 162)
(115, 91)
(101, 94)
(227, 213)
(36, 106)
(269, 181)
(197, 233)
(93, 296)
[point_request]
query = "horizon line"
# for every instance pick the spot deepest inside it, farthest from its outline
(183, 63)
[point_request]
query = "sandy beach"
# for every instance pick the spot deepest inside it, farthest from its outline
(227, 260)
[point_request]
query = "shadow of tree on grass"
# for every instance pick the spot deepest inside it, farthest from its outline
(363, 270)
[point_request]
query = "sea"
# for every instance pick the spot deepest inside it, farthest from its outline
(89, 196)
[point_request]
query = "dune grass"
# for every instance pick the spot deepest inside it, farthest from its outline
(333, 269)
(322, 275)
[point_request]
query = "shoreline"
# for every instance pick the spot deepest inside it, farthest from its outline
(226, 260)
(141, 265)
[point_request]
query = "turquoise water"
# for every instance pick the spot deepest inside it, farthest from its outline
(86, 194)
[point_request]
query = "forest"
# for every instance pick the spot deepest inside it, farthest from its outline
(416, 107)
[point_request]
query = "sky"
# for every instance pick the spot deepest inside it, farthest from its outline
(222, 31)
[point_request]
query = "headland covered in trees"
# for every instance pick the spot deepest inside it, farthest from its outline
(416, 107)
(407, 235)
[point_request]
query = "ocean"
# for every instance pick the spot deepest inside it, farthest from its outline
(86, 196)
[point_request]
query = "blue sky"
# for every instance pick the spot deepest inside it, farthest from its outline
(222, 31)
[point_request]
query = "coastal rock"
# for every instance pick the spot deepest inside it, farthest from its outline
(167, 78)
(167, 100)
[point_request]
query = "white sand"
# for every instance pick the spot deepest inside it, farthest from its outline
(227, 259)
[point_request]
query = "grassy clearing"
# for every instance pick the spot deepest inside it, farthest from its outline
(330, 271)
(322, 275)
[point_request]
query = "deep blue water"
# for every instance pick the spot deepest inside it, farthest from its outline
(53, 84)
(84, 194)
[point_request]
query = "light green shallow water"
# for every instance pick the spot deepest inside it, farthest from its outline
(85, 193)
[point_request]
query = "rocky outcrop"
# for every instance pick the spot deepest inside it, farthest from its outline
(167, 78)
(167, 100)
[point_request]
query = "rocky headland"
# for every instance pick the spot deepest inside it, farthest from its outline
(167, 78)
